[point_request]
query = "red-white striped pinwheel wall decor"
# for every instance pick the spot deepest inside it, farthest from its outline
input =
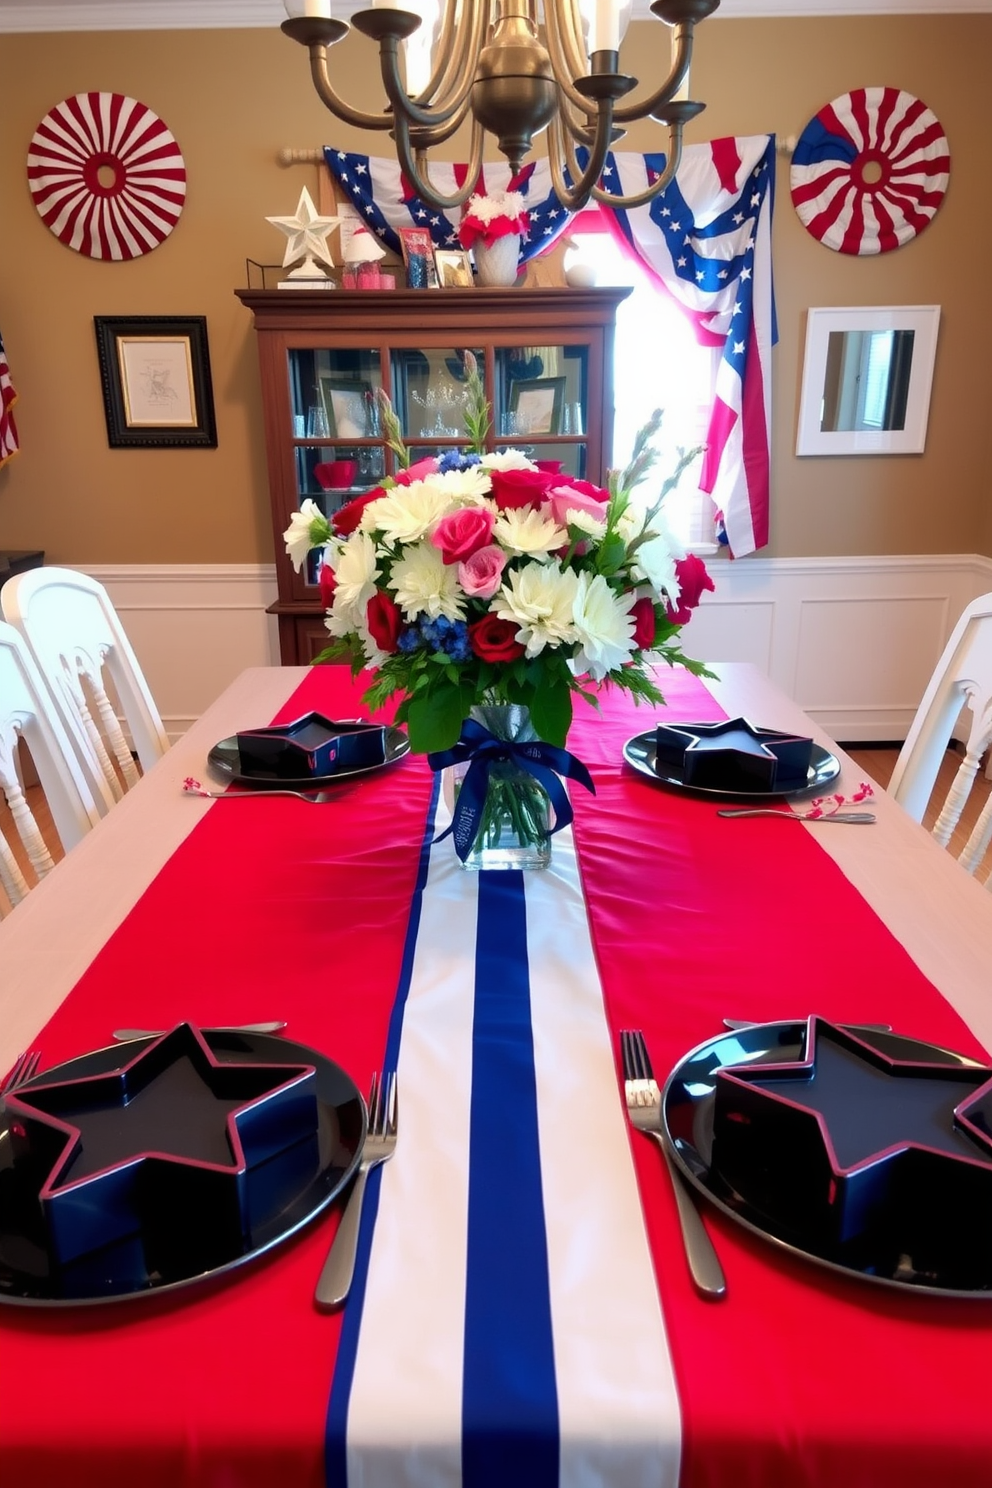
(870, 171)
(106, 175)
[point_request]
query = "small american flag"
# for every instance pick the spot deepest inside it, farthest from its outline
(8, 397)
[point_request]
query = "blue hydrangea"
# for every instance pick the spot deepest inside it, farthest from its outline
(456, 460)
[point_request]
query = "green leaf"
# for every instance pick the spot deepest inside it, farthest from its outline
(551, 712)
(436, 721)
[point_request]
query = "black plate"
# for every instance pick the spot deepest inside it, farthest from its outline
(639, 752)
(25, 1277)
(225, 759)
(688, 1106)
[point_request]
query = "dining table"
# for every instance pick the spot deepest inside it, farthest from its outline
(522, 1313)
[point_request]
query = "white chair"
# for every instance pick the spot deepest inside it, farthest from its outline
(27, 712)
(961, 679)
(75, 635)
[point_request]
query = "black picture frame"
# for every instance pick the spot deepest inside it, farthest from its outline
(536, 404)
(347, 401)
(155, 374)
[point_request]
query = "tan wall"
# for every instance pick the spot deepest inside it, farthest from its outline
(232, 98)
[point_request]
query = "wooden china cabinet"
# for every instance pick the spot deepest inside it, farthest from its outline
(546, 356)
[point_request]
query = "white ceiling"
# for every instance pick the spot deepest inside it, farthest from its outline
(190, 15)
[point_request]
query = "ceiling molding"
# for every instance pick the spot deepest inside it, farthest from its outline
(199, 15)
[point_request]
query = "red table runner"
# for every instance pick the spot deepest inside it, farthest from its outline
(271, 910)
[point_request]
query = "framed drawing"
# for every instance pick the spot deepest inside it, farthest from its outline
(418, 255)
(155, 372)
(346, 403)
(536, 405)
(867, 376)
(454, 268)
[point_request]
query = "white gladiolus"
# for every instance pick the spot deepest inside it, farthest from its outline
(300, 536)
(604, 626)
(525, 532)
(423, 584)
(539, 599)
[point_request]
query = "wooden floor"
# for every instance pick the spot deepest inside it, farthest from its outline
(877, 761)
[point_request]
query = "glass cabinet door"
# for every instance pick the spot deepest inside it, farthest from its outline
(541, 400)
(430, 394)
(335, 423)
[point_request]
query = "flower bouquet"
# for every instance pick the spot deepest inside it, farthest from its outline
(492, 217)
(477, 581)
(492, 226)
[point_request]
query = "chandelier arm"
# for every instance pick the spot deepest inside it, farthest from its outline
(457, 49)
(403, 105)
(639, 109)
(422, 140)
(411, 160)
(336, 105)
(566, 62)
(672, 163)
(580, 131)
(575, 197)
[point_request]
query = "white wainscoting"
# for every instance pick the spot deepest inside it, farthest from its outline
(852, 640)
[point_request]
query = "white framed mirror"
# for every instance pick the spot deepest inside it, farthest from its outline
(867, 375)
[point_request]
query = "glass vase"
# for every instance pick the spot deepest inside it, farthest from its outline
(515, 823)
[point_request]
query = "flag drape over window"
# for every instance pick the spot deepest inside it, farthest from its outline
(8, 429)
(706, 239)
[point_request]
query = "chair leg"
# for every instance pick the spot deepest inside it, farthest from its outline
(11, 878)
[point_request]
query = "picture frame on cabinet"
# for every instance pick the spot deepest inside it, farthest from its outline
(346, 402)
(155, 377)
(536, 405)
(418, 256)
(454, 268)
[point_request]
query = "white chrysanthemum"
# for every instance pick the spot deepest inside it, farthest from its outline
(604, 625)
(540, 600)
(356, 570)
(525, 532)
(508, 459)
(307, 529)
(464, 487)
(408, 513)
(585, 522)
(423, 584)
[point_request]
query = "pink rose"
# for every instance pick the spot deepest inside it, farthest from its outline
(419, 470)
(580, 496)
(462, 533)
(693, 579)
(516, 488)
(482, 573)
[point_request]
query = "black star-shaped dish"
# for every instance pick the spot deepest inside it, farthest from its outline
(733, 756)
(173, 1154)
(864, 1152)
(311, 746)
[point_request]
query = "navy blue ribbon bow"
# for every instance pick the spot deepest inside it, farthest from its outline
(481, 750)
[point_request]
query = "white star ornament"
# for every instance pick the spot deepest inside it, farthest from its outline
(306, 236)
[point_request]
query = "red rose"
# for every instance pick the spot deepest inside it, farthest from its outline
(328, 582)
(384, 620)
(514, 488)
(645, 624)
(493, 639)
(693, 579)
(347, 519)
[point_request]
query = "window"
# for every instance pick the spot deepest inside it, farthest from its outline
(658, 363)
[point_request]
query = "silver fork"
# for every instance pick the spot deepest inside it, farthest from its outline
(23, 1069)
(334, 1283)
(312, 798)
(644, 1110)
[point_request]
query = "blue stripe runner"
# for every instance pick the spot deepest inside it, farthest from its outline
(336, 1428)
(509, 1351)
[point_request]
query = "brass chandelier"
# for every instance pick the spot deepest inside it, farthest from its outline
(516, 71)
